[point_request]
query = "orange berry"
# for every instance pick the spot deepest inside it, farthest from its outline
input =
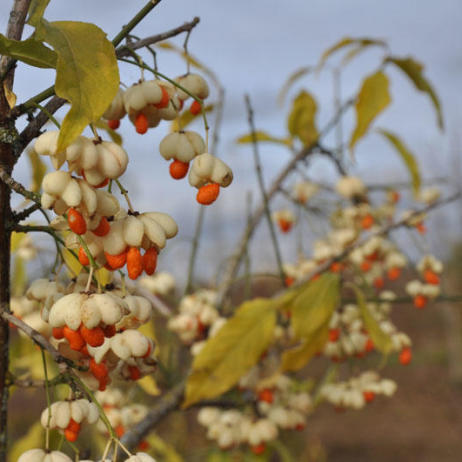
(76, 221)
(150, 261)
(76, 342)
(266, 395)
(120, 430)
(143, 446)
(70, 435)
(365, 266)
(98, 370)
(367, 221)
(373, 256)
(289, 280)
(84, 351)
(431, 277)
(421, 228)
(83, 258)
(334, 335)
(394, 196)
(57, 333)
(103, 228)
(180, 104)
(369, 396)
(300, 427)
(208, 194)
(94, 337)
(394, 273)
(141, 124)
(336, 267)
(178, 169)
(369, 346)
(285, 225)
(134, 263)
(379, 283)
(102, 384)
(195, 108)
(420, 301)
(135, 373)
(113, 124)
(258, 449)
(116, 261)
(163, 103)
(405, 356)
(73, 426)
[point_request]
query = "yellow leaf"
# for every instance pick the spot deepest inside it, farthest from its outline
(30, 51)
(298, 357)
(9, 95)
(228, 355)
(290, 81)
(36, 10)
(263, 136)
(38, 170)
(149, 385)
(72, 263)
(314, 306)
(19, 279)
(414, 70)
(186, 118)
(381, 340)
(32, 439)
(162, 450)
(187, 57)
(373, 98)
(16, 239)
(87, 74)
(408, 158)
(347, 41)
(103, 276)
(302, 118)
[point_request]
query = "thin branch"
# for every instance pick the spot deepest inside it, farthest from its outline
(18, 187)
(258, 169)
(23, 214)
(187, 27)
(40, 340)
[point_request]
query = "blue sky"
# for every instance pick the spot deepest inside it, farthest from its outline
(253, 46)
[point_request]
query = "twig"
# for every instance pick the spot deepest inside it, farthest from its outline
(19, 216)
(258, 169)
(18, 187)
(187, 27)
(40, 340)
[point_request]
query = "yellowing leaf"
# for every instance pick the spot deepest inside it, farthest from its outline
(313, 308)
(263, 136)
(298, 357)
(302, 119)
(9, 95)
(149, 385)
(32, 439)
(38, 170)
(103, 276)
(72, 263)
(228, 355)
(87, 74)
(373, 98)
(16, 239)
(381, 340)
(19, 278)
(290, 81)
(186, 118)
(414, 70)
(162, 450)
(36, 10)
(408, 158)
(30, 51)
(347, 41)
(187, 57)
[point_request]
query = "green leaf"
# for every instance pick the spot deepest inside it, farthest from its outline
(86, 75)
(408, 158)
(36, 10)
(301, 122)
(299, 73)
(298, 357)
(38, 170)
(373, 98)
(414, 70)
(381, 340)
(180, 123)
(313, 308)
(228, 355)
(30, 51)
(263, 136)
(347, 41)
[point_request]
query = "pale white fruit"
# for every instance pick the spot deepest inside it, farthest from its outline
(183, 146)
(195, 84)
(207, 168)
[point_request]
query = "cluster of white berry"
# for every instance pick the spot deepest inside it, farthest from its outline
(430, 269)
(303, 191)
(42, 455)
(357, 391)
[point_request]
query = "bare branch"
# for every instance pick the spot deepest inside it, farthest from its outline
(17, 187)
(186, 27)
(23, 214)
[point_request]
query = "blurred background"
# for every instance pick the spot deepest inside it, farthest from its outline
(252, 47)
